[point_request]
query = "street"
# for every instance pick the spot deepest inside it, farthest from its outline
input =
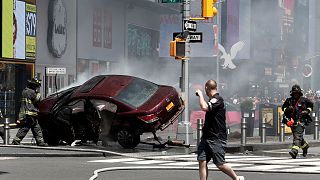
(151, 166)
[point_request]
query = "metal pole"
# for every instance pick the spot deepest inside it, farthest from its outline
(199, 130)
(316, 128)
(6, 131)
(185, 70)
(243, 131)
(281, 138)
(218, 64)
(263, 131)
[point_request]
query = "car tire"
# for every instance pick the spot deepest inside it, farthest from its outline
(127, 138)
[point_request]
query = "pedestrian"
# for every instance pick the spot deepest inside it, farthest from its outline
(296, 116)
(28, 115)
(214, 138)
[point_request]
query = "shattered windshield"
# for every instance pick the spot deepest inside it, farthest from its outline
(137, 92)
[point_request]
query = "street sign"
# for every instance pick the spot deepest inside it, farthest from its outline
(55, 70)
(189, 25)
(193, 37)
(171, 1)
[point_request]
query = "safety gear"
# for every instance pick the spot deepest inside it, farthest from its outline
(296, 89)
(28, 114)
(16, 141)
(293, 153)
(305, 148)
(35, 82)
(290, 122)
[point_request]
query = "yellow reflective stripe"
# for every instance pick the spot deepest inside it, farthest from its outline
(295, 147)
(305, 145)
(284, 109)
(38, 97)
(310, 109)
(26, 100)
(31, 113)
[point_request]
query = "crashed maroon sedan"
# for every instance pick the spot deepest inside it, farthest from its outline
(118, 106)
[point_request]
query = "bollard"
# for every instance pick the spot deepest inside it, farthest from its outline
(263, 131)
(281, 138)
(243, 131)
(6, 131)
(199, 130)
(316, 128)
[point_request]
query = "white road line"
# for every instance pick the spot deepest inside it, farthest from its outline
(265, 167)
(115, 160)
(146, 162)
(179, 164)
(7, 158)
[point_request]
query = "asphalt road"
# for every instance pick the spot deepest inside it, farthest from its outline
(78, 168)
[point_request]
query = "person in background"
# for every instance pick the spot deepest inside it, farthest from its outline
(296, 116)
(214, 133)
(28, 115)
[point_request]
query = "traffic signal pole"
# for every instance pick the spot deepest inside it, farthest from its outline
(186, 8)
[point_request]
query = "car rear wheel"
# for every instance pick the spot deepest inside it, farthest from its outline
(127, 138)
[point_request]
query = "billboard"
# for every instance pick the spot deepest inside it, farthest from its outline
(18, 29)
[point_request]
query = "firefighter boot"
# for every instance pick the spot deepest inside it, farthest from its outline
(293, 153)
(305, 149)
(16, 141)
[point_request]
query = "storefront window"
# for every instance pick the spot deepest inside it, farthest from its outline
(13, 79)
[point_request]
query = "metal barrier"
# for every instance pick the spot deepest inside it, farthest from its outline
(6, 131)
(282, 137)
(316, 128)
(199, 130)
(243, 131)
(263, 131)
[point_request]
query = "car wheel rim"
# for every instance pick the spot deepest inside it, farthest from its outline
(125, 137)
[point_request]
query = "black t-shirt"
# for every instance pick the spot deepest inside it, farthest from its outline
(215, 120)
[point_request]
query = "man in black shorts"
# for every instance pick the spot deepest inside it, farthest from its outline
(214, 138)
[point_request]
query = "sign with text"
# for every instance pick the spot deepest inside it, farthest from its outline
(55, 70)
(189, 25)
(193, 37)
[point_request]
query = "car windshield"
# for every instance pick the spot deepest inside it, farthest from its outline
(137, 92)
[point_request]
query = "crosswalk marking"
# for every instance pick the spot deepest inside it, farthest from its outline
(147, 162)
(180, 164)
(115, 160)
(7, 158)
(240, 162)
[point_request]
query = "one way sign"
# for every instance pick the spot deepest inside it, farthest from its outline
(193, 37)
(189, 25)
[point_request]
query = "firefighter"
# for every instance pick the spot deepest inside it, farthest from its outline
(28, 113)
(296, 116)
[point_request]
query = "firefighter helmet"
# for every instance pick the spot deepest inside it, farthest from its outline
(35, 82)
(296, 89)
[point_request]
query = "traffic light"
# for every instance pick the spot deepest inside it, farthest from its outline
(208, 9)
(178, 48)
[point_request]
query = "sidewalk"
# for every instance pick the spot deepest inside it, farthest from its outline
(253, 144)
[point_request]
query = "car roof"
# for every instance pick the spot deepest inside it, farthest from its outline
(103, 85)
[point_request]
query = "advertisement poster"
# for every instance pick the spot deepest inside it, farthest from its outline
(7, 29)
(280, 116)
(31, 21)
(19, 40)
(267, 117)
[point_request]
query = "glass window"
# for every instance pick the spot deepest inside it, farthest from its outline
(137, 92)
(91, 84)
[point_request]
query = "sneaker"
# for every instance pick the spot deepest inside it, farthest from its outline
(241, 177)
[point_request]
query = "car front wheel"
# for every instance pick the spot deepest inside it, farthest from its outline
(128, 139)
